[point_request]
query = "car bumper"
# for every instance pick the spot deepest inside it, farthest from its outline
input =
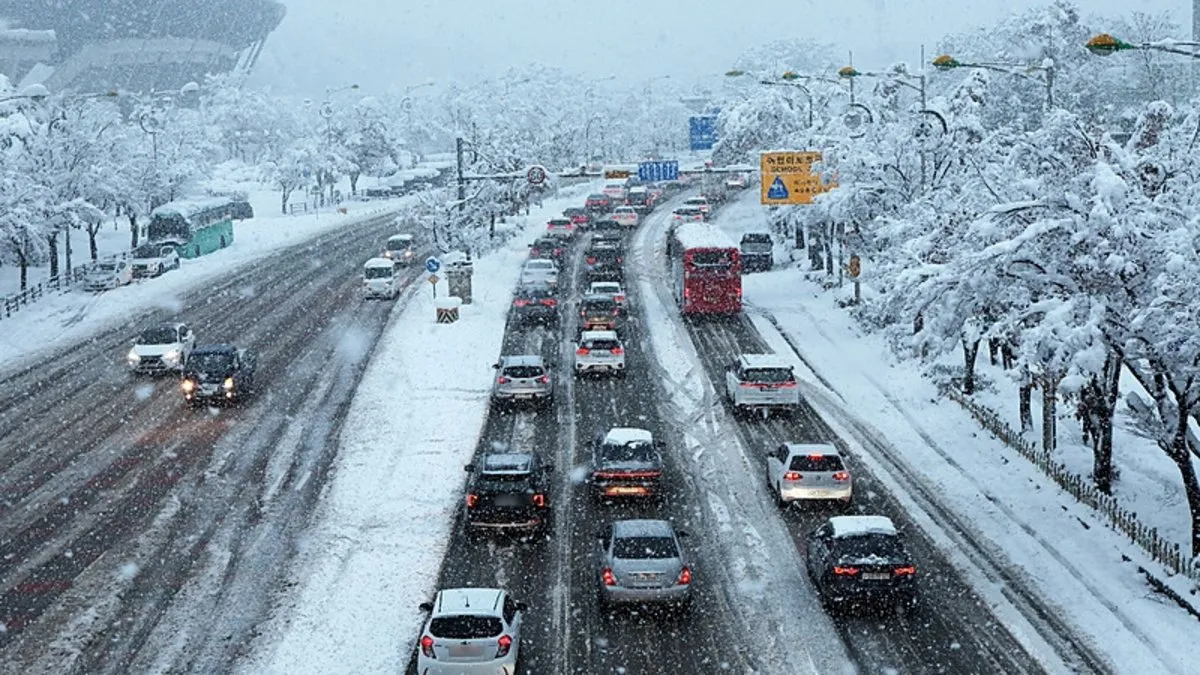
(519, 396)
(533, 523)
(505, 666)
(608, 489)
(619, 595)
(153, 368)
(599, 366)
(864, 594)
(798, 493)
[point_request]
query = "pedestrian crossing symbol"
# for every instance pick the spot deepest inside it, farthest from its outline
(777, 190)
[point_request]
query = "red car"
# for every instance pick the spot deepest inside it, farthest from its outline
(579, 216)
(598, 203)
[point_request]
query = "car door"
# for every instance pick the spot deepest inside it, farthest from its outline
(818, 551)
(775, 464)
(605, 550)
(187, 339)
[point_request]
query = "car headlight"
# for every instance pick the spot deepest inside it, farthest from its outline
(408, 254)
(172, 357)
(229, 384)
(188, 386)
(133, 357)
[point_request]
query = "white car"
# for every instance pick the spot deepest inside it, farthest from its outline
(616, 193)
(737, 181)
(539, 271)
(808, 472)
(470, 630)
(108, 274)
(761, 382)
(151, 260)
(687, 214)
(162, 348)
(599, 351)
(626, 216)
(700, 203)
(613, 289)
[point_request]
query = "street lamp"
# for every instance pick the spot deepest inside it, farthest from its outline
(850, 73)
(945, 62)
(786, 79)
(1105, 45)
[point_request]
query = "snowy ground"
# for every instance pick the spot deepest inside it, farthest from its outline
(72, 315)
(1062, 548)
(386, 518)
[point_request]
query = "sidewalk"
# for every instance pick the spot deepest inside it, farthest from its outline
(997, 505)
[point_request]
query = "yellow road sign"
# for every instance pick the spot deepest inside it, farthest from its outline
(617, 173)
(433, 279)
(855, 267)
(788, 177)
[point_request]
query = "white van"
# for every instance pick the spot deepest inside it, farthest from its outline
(380, 279)
(400, 249)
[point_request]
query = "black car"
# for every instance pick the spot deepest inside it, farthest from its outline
(757, 249)
(604, 265)
(608, 225)
(578, 215)
(508, 490)
(218, 374)
(535, 304)
(548, 247)
(626, 462)
(860, 561)
(598, 312)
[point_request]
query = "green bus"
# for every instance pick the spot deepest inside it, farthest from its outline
(195, 227)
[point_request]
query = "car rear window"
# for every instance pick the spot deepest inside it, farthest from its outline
(817, 463)
(768, 375)
(524, 371)
(756, 238)
(643, 548)
(865, 545)
(599, 304)
(630, 452)
(465, 627)
(504, 482)
(602, 344)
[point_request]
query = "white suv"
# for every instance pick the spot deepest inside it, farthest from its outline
(470, 630)
(599, 351)
(763, 382)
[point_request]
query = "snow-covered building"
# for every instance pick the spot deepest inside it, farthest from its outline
(96, 45)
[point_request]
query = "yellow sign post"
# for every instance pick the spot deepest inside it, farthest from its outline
(788, 178)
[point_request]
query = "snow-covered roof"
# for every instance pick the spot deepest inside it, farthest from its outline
(642, 528)
(702, 235)
(468, 601)
(852, 526)
(379, 262)
(625, 435)
(598, 335)
(190, 207)
(813, 449)
(400, 237)
(508, 462)
(764, 361)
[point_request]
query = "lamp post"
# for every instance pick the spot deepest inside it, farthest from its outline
(945, 62)
(788, 79)
(1106, 45)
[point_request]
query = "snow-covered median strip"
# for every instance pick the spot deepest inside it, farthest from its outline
(385, 521)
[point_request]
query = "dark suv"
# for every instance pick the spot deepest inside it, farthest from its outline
(535, 304)
(604, 265)
(548, 247)
(508, 491)
(859, 560)
(757, 249)
(218, 374)
(598, 312)
(627, 463)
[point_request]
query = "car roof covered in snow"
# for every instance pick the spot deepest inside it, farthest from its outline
(764, 361)
(812, 449)
(626, 435)
(379, 262)
(642, 528)
(587, 335)
(508, 462)
(702, 235)
(468, 601)
(856, 526)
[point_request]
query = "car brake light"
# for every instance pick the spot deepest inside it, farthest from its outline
(472, 500)
(570, 226)
(545, 379)
(591, 260)
(619, 298)
(616, 312)
(841, 476)
(685, 577)
(845, 571)
(905, 571)
(793, 475)
(502, 380)
(539, 499)
(749, 385)
(582, 351)
(616, 351)
(503, 644)
(687, 293)
(608, 577)
(427, 646)
(549, 302)
(520, 302)
(786, 385)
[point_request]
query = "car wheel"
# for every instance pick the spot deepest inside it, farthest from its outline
(779, 500)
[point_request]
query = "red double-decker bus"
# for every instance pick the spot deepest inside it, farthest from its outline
(706, 267)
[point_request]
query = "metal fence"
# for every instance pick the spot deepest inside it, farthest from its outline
(11, 304)
(1168, 553)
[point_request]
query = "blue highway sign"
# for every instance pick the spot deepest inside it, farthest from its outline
(652, 172)
(702, 132)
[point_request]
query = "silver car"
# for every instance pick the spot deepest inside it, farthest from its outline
(470, 630)
(804, 472)
(539, 271)
(522, 378)
(642, 563)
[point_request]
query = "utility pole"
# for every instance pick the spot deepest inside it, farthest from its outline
(462, 183)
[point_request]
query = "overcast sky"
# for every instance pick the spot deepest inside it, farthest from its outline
(394, 43)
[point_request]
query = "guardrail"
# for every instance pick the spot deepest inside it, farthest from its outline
(11, 304)
(1165, 552)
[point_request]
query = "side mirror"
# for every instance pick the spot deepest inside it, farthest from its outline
(521, 606)
(682, 534)
(469, 467)
(495, 366)
(600, 535)
(660, 443)
(548, 467)
(425, 606)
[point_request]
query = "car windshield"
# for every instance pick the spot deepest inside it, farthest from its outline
(866, 545)
(769, 375)
(210, 362)
(524, 371)
(158, 335)
(106, 268)
(816, 463)
(465, 627)
(645, 548)
(377, 273)
(636, 451)
(398, 244)
(147, 251)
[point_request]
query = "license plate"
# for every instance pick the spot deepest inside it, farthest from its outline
(626, 490)
(465, 650)
(508, 500)
(208, 389)
(876, 576)
(523, 397)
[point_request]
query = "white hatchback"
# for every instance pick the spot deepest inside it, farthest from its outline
(539, 271)
(808, 472)
(470, 630)
(599, 351)
(626, 216)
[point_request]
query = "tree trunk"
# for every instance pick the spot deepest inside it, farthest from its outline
(1007, 357)
(1179, 453)
(354, 182)
(92, 252)
(1049, 384)
(283, 200)
(133, 231)
(1025, 405)
(52, 240)
(23, 262)
(993, 348)
(970, 353)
